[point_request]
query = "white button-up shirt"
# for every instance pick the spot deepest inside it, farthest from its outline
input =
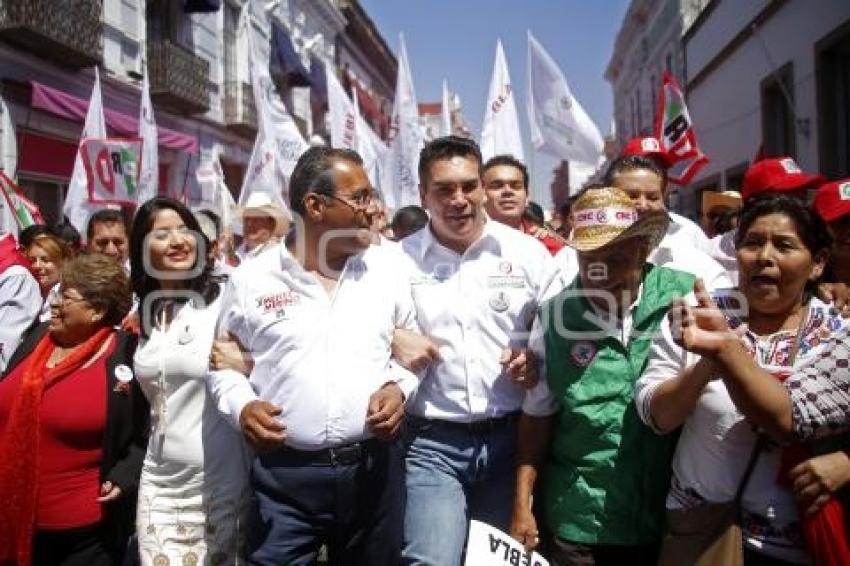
(20, 302)
(473, 306)
(317, 356)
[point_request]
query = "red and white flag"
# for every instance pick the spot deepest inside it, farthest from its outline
(675, 132)
(25, 212)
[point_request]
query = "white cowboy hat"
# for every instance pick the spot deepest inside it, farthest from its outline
(262, 204)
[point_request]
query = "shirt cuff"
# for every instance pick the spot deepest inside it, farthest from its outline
(234, 395)
(405, 379)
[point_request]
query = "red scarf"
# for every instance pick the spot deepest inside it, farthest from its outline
(19, 445)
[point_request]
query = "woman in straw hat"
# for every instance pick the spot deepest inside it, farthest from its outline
(607, 473)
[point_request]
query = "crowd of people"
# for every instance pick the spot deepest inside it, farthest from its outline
(621, 386)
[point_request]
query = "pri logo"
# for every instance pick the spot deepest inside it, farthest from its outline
(844, 191)
(505, 267)
(649, 145)
(601, 216)
(790, 166)
(583, 353)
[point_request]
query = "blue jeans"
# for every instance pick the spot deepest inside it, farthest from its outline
(356, 508)
(454, 475)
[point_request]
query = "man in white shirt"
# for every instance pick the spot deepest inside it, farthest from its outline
(263, 224)
(20, 297)
(106, 234)
(476, 284)
(323, 400)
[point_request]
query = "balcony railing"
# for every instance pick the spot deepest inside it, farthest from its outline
(240, 112)
(179, 78)
(68, 32)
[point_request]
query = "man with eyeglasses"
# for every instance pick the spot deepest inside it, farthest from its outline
(323, 401)
(476, 284)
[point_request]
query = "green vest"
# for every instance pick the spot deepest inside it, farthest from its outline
(608, 474)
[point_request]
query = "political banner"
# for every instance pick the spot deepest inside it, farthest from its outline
(675, 132)
(112, 169)
(488, 546)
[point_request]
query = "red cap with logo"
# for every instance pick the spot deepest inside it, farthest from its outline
(832, 200)
(647, 146)
(776, 175)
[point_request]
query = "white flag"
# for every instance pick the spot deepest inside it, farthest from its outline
(77, 207)
(279, 144)
(214, 191)
(149, 175)
(559, 125)
(9, 165)
(445, 112)
(500, 133)
(342, 115)
(400, 173)
(371, 148)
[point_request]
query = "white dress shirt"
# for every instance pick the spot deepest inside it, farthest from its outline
(723, 251)
(20, 303)
(473, 306)
(317, 356)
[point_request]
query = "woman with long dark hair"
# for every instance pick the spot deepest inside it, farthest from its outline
(193, 488)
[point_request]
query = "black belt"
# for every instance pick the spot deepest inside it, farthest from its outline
(336, 456)
(482, 426)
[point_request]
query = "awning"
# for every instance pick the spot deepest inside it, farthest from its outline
(201, 6)
(319, 86)
(287, 62)
(74, 108)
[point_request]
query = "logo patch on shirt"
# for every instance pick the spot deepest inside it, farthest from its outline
(844, 191)
(500, 302)
(583, 353)
(506, 267)
(277, 302)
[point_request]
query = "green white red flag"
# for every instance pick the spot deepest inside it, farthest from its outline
(25, 211)
(675, 133)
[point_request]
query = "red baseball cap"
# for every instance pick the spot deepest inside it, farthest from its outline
(832, 201)
(776, 174)
(647, 146)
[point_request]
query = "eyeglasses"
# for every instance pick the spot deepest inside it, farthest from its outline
(358, 202)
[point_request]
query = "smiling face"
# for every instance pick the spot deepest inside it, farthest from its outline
(454, 196)
(644, 187)
(110, 238)
(44, 267)
(170, 244)
(72, 318)
(507, 194)
(775, 265)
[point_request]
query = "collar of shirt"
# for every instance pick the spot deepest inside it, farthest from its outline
(489, 237)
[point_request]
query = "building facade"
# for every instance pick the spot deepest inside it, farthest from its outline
(769, 77)
(648, 43)
(196, 57)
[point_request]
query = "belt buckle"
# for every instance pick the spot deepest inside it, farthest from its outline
(344, 454)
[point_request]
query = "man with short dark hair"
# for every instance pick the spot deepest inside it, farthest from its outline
(476, 284)
(408, 220)
(506, 186)
(323, 400)
(106, 234)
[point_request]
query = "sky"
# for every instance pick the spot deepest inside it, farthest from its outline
(456, 41)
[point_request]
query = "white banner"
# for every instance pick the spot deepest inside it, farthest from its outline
(149, 174)
(112, 169)
(488, 546)
(445, 112)
(77, 206)
(214, 192)
(400, 173)
(279, 143)
(559, 125)
(500, 133)
(341, 114)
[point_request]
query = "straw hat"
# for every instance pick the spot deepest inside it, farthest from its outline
(261, 204)
(713, 199)
(606, 215)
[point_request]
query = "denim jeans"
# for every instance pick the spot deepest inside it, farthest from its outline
(355, 508)
(454, 475)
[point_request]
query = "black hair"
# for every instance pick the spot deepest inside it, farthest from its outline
(534, 213)
(313, 173)
(30, 233)
(510, 161)
(445, 148)
(408, 220)
(204, 283)
(633, 162)
(723, 218)
(810, 226)
(66, 231)
(214, 218)
(105, 216)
